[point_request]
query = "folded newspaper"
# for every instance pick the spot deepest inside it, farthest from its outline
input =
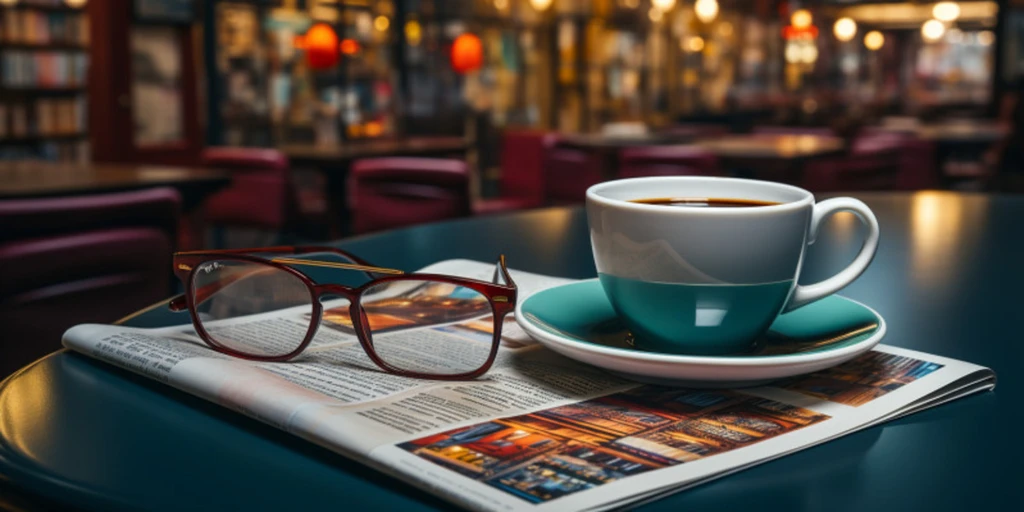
(539, 431)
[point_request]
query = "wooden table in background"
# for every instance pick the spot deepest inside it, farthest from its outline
(606, 147)
(328, 157)
(774, 157)
(334, 162)
(596, 141)
(956, 140)
(964, 131)
(30, 179)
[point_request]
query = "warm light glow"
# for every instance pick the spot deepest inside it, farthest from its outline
(413, 32)
(373, 129)
(874, 40)
(321, 46)
(501, 5)
(75, 3)
(349, 46)
(541, 5)
(809, 54)
(631, 4)
(381, 23)
(954, 36)
(655, 14)
(801, 52)
(946, 11)
(694, 44)
(725, 29)
(706, 10)
(8, 2)
(845, 29)
(801, 18)
(467, 53)
(933, 30)
(793, 53)
(913, 13)
(663, 5)
(986, 38)
(943, 235)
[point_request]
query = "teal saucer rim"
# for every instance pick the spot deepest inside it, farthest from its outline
(537, 332)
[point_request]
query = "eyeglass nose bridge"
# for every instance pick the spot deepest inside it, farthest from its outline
(335, 289)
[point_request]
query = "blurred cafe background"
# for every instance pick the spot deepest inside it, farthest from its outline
(133, 128)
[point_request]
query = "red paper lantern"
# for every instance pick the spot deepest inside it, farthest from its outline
(321, 45)
(467, 53)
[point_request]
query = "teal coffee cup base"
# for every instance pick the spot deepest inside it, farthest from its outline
(701, 319)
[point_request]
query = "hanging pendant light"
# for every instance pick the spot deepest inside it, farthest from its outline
(946, 12)
(663, 5)
(874, 40)
(706, 10)
(321, 46)
(801, 18)
(467, 53)
(541, 5)
(845, 29)
(933, 30)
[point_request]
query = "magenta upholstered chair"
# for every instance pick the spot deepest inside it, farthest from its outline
(667, 161)
(260, 193)
(873, 163)
(522, 173)
(918, 166)
(876, 161)
(393, 192)
(69, 260)
(568, 172)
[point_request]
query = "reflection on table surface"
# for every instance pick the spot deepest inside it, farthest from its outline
(772, 146)
(34, 178)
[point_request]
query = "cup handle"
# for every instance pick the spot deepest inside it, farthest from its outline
(805, 294)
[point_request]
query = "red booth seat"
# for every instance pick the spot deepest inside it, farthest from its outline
(71, 260)
(260, 192)
(568, 173)
(522, 173)
(387, 193)
(667, 161)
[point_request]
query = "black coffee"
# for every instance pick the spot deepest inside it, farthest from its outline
(704, 202)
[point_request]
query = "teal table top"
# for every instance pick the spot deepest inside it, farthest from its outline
(947, 278)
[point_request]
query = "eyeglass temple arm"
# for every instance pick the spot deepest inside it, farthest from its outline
(501, 275)
(294, 249)
(179, 303)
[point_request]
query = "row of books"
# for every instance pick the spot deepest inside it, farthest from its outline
(43, 69)
(77, 151)
(44, 117)
(42, 28)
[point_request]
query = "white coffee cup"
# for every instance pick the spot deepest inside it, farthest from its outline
(709, 280)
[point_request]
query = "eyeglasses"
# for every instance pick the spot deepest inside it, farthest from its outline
(418, 325)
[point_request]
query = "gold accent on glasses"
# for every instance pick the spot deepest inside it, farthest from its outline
(329, 264)
(847, 335)
(182, 266)
(500, 298)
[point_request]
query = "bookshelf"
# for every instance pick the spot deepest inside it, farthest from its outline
(44, 60)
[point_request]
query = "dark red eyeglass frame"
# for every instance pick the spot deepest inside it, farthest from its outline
(501, 294)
